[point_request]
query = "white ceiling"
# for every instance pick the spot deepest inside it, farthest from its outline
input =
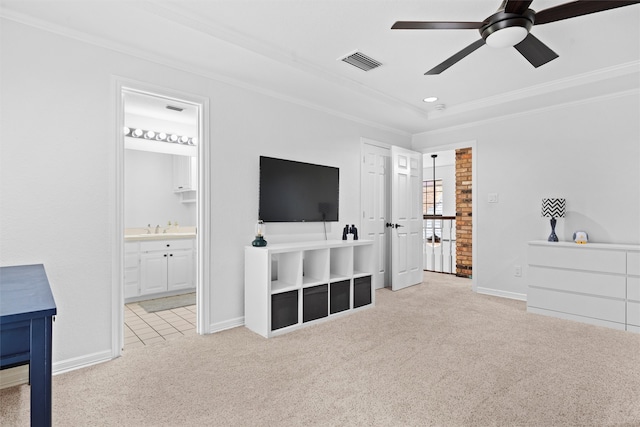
(291, 49)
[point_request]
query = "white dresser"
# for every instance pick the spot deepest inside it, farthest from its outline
(596, 283)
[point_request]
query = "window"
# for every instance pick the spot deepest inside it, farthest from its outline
(428, 187)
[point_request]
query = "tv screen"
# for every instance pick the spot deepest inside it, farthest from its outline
(297, 192)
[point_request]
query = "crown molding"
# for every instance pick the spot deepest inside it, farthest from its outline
(160, 60)
(541, 89)
(497, 119)
(177, 15)
(274, 53)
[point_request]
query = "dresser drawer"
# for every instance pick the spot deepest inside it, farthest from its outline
(606, 285)
(633, 313)
(633, 263)
(633, 288)
(579, 257)
(594, 307)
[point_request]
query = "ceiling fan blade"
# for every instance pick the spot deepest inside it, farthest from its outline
(455, 58)
(578, 8)
(436, 25)
(514, 6)
(534, 51)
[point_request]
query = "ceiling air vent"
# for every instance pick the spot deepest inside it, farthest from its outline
(361, 61)
(174, 108)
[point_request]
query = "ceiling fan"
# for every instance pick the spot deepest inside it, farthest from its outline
(510, 26)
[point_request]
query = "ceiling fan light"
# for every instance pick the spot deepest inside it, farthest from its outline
(507, 37)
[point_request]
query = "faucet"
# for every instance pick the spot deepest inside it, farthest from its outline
(157, 229)
(148, 228)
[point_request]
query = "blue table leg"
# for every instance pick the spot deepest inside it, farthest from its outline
(40, 372)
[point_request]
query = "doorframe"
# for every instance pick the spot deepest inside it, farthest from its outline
(474, 198)
(203, 238)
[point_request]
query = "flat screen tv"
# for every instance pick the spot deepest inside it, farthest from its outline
(297, 192)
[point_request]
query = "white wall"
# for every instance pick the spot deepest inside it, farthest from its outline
(148, 192)
(58, 178)
(588, 153)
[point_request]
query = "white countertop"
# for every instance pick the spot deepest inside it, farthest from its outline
(142, 234)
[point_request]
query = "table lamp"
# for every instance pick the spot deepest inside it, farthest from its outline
(259, 240)
(553, 208)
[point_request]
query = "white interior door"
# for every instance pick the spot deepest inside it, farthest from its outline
(376, 178)
(406, 218)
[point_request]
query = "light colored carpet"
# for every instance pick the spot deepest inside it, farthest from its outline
(167, 303)
(432, 354)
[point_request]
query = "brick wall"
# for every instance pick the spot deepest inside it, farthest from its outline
(463, 212)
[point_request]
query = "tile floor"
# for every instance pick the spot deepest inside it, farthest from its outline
(142, 328)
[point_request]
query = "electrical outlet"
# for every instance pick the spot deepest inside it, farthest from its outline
(517, 271)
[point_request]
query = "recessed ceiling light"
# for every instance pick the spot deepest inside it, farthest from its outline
(431, 99)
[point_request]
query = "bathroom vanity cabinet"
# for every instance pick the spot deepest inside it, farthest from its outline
(158, 268)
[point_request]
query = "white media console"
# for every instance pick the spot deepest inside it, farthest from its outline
(594, 283)
(290, 285)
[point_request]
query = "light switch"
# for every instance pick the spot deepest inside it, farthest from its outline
(493, 198)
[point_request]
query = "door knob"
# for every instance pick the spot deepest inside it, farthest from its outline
(390, 225)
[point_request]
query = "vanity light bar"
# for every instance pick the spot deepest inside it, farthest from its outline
(159, 136)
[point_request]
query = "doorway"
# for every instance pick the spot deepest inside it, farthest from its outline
(454, 215)
(162, 216)
(439, 207)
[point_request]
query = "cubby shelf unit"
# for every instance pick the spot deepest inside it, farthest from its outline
(290, 285)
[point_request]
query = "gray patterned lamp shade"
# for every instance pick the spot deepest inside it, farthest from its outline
(554, 208)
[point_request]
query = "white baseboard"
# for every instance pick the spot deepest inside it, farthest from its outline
(227, 324)
(14, 376)
(81, 362)
(502, 294)
(20, 374)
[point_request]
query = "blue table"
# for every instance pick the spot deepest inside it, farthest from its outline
(26, 311)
